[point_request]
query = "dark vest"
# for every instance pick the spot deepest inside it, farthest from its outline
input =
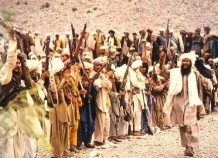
(9, 91)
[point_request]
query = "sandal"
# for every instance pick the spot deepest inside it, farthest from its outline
(189, 152)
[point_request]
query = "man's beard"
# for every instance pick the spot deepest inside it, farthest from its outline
(211, 65)
(18, 72)
(186, 71)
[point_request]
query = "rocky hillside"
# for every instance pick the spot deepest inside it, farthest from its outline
(127, 15)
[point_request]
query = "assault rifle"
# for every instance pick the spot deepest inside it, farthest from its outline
(109, 57)
(74, 37)
(168, 32)
(76, 52)
(123, 83)
(47, 52)
(83, 69)
(168, 38)
(91, 81)
(97, 73)
(72, 47)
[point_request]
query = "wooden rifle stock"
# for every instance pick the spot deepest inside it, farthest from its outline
(76, 52)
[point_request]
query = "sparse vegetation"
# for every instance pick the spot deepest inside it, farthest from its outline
(25, 21)
(8, 14)
(88, 11)
(46, 5)
(25, 3)
(17, 3)
(95, 8)
(74, 9)
(62, 3)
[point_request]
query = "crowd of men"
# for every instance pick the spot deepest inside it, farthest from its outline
(115, 87)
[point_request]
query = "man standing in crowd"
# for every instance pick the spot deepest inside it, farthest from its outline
(102, 122)
(86, 108)
(183, 102)
(197, 43)
(17, 105)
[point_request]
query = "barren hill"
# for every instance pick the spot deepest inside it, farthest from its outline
(126, 15)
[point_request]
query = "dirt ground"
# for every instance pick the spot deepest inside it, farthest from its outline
(165, 144)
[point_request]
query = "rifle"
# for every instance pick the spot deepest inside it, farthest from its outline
(173, 61)
(91, 81)
(72, 47)
(123, 83)
(47, 52)
(168, 38)
(12, 89)
(167, 32)
(109, 57)
(154, 74)
(76, 52)
(74, 37)
(97, 73)
(84, 71)
(25, 42)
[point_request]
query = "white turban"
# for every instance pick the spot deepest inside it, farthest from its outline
(65, 52)
(48, 34)
(148, 45)
(132, 48)
(56, 65)
(190, 56)
(113, 50)
(103, 47)
(88, 65)
(136, 64)
(32, 64)
(67, 33)
(120, 71)
(98, 61)
(36, 32)
(87, 57)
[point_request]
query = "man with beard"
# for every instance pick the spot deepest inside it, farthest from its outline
(183, 102)
(18, 120)
(125, 43)
(112, 40)
(58, 115)
(123, 59)
(140, 41)
(161, 39)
